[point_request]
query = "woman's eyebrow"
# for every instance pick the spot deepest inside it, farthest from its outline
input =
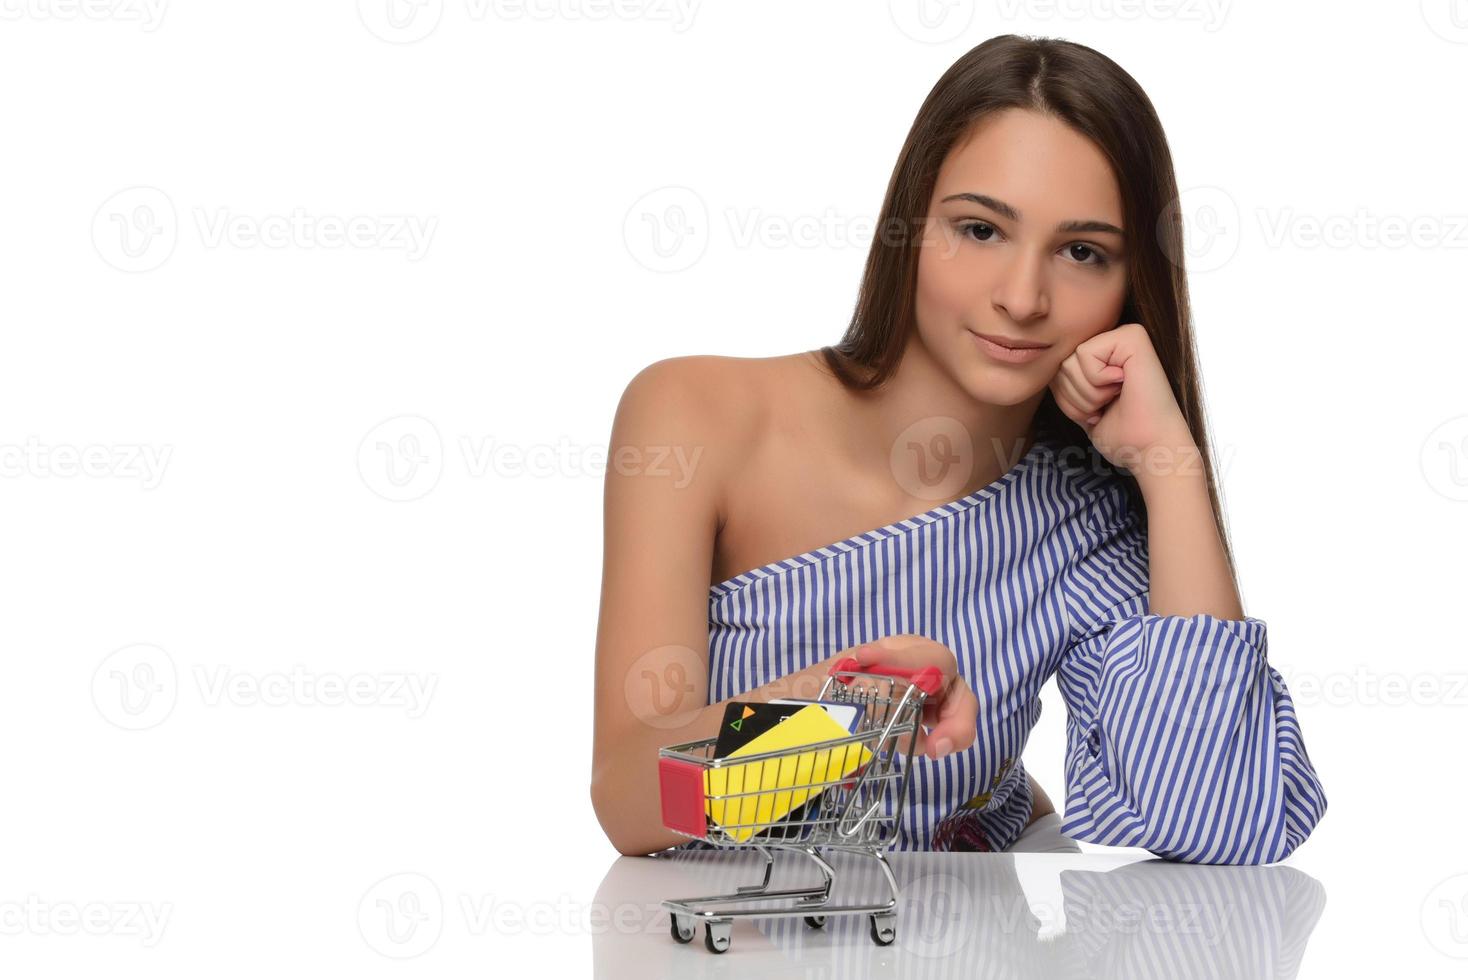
(998, 206)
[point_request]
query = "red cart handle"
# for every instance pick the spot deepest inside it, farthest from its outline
(929, 680)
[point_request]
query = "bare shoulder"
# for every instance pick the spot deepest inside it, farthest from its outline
(716, 406)
(715, 400)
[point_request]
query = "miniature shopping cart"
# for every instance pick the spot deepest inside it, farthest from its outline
(850, 809)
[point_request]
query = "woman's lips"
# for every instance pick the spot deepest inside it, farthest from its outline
(1008, 355)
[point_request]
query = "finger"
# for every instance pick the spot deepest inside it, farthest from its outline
(957, 724)
(1094, 399)
(1086, 403)
(898, 651)
(1098, 370)
(1069, 408)
(1092, 395)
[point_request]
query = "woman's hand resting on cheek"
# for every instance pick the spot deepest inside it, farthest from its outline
(952, 715)
(1115, 388)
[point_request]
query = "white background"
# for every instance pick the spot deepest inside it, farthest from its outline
(210, 420)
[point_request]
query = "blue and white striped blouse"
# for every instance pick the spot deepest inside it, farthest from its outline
(1181, 738)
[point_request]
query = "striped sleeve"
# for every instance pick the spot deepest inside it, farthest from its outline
(1180, 738)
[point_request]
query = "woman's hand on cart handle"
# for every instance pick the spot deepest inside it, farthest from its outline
(951, 715)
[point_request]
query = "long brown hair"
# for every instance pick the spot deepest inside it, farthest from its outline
(1094, 96)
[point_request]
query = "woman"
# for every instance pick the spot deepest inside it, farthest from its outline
(1041, 501)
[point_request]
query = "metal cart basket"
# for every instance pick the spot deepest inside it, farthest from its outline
(855, 809)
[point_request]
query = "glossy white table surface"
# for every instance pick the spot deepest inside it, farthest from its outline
(967, 915)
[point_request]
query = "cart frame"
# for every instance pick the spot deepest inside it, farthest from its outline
(837, 814)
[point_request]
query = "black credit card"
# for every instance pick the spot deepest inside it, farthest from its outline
(743, 720)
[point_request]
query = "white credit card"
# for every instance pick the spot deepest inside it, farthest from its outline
(846, 715)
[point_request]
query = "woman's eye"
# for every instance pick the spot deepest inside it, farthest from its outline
(979, 231)
(1084, 251)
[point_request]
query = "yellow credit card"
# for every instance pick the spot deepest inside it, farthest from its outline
(776, 786)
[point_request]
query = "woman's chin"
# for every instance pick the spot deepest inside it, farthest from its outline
(1001, 386)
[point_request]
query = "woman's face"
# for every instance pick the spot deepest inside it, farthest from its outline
(1023, 241)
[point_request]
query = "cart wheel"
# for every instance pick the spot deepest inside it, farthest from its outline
(681, 929)
(815, 921)
(884, 928)
(716, 936)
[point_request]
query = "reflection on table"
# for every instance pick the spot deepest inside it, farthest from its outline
(971, 914)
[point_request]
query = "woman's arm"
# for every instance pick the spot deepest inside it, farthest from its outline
(1181, 738)
(1188, 570)
(670, 453)
(661, 516)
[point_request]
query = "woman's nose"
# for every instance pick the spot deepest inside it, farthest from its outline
(1021, 291)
